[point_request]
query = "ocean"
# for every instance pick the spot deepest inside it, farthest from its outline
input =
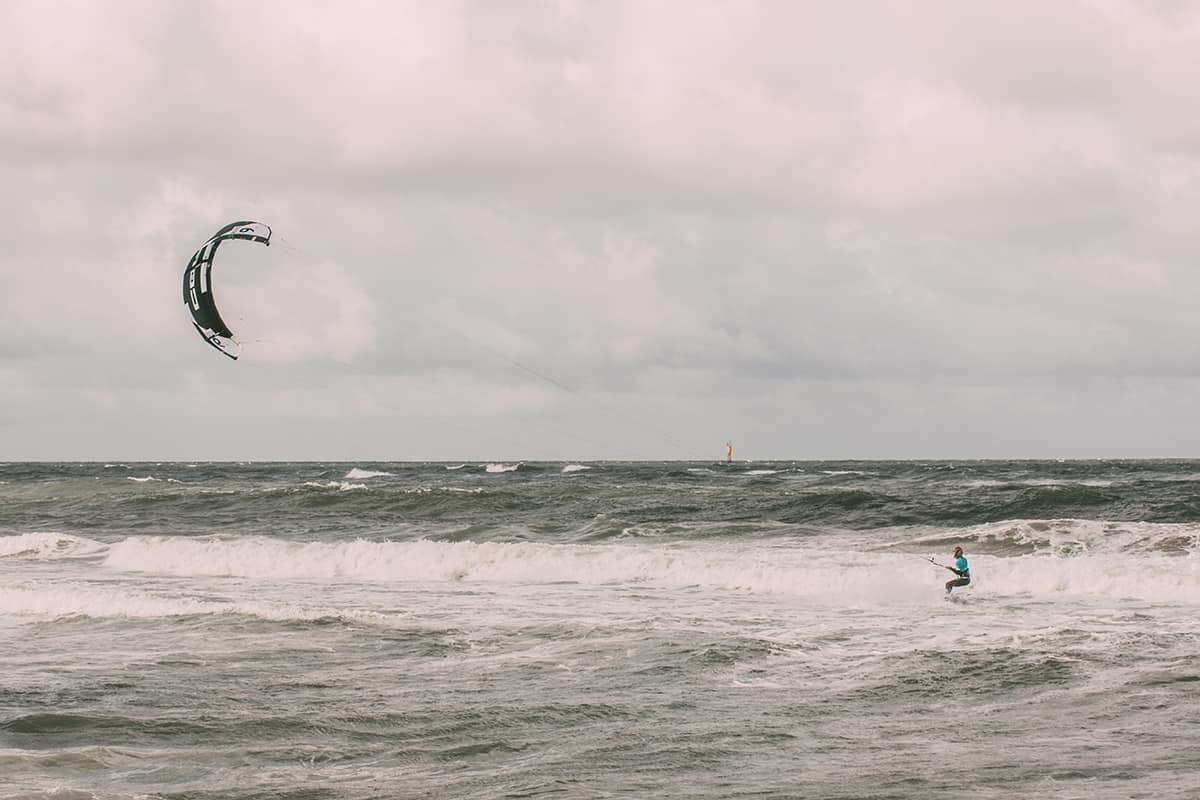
(599, 630)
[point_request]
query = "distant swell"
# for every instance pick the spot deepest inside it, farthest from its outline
(866, 507)
(554, 497)
(1063, 538)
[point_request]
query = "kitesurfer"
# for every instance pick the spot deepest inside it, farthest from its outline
(960, 569)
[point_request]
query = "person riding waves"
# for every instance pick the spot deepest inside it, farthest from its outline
(960, 569)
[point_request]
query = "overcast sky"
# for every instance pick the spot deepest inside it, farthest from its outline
(585, 230)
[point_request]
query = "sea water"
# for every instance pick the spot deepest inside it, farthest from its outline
(593, 630)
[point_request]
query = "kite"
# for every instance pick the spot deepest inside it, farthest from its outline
(197, 285)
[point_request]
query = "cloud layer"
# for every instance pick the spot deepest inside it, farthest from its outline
(617, 230)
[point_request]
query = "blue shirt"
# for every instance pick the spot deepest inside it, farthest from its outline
(960, 564)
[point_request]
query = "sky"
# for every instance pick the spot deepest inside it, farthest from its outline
(577, 230)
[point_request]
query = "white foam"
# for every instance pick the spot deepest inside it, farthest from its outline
(784, 571)
(53, 793)
(575, 468)
(357, 474)
(835, 575)
(455, 466)
(47, 545)
(1061, 482)
(64, 600)
(502, 467)
(141, 480)
(1109, 577)
(762, 472)
(343, 486)
(1065, 537)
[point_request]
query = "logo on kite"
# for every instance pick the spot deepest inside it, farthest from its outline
(197, 285)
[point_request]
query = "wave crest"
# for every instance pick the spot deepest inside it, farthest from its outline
(835, 576)
(357, 474)
(41, 546)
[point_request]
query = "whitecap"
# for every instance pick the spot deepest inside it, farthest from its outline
(357, 474)
(86, 601)
(343, 486)
(41, 545)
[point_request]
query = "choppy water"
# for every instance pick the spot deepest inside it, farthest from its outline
(765, 630)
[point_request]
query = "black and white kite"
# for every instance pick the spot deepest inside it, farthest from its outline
(197, 285)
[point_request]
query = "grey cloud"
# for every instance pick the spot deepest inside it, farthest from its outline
(861, 230)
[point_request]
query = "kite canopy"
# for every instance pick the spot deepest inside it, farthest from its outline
(197, 285)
